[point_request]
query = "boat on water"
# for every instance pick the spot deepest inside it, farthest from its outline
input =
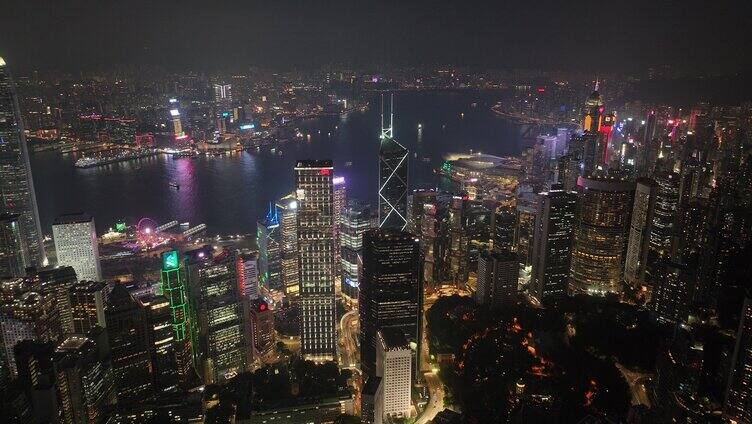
(189, 154)
(90, 162)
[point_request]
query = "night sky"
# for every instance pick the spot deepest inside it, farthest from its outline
(598, 36)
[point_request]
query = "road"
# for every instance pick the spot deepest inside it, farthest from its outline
(349, 352)
(436, 402)
(637, 382)
(433, 383)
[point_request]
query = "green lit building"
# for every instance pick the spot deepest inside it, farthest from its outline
(174, 289)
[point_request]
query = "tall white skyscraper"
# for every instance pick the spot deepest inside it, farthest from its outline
(76, 245)
(394, 366)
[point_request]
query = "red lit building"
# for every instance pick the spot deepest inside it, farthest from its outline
(262, 326)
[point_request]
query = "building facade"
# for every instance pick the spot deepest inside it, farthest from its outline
(17, 194)
(357, 218)
(552, 244)
(12, 250)
(600, 236)
(738, 403)
(173, 283)
(85, 382)
(269, 242)
(314, 191)
(128, 337)
(393, 365)
(498, 275)
(287, 207)
(393, 174)
(76, 245)
(390, 290)
(217, 319)
(88, 299)
(640, 226)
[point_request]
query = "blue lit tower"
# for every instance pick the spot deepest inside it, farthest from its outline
(269, 241)
(393, 163)
(16, 185)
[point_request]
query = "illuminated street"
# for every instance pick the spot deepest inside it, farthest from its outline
(637, 385)
(348, 340)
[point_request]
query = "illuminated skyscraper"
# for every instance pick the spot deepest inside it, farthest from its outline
(262, 326)
(129, 347)
(216, 314)
(161, 342)
(223, 106)
(16, 184)
(498, 275)
(552, 244)
(435, 241)
(665, 214)
(457, 256)
(248, 278)
(56, 283)
(584, 151)
(738, 404)
(37, 376)
(356, 220)
(636, 261)
(593, 114)
(393, 172)
(12, 250)
(648, 149)
(523, 235)
(287, 208)
(340, 203)
(476, 228)
(28, 316)
(88, 300)
(173, 283)
(502, 228)
(568, 169)
(600, 235)
(393, 365)
(76, 245)
(673, 286)
(415, 203)
(85, 380)
(390, 291)
(314, 191)
(177, 125)
(269, 241)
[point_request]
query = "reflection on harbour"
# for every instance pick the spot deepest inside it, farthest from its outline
(230, 192)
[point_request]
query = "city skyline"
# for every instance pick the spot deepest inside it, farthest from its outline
(429, 213)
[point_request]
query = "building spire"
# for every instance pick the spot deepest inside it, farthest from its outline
(597, 84)
(386, 131)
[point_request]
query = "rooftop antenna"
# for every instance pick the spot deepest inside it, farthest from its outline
(391, 113)
(386, 132)
(382, 114)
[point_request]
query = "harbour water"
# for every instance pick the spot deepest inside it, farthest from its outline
(229, 193)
